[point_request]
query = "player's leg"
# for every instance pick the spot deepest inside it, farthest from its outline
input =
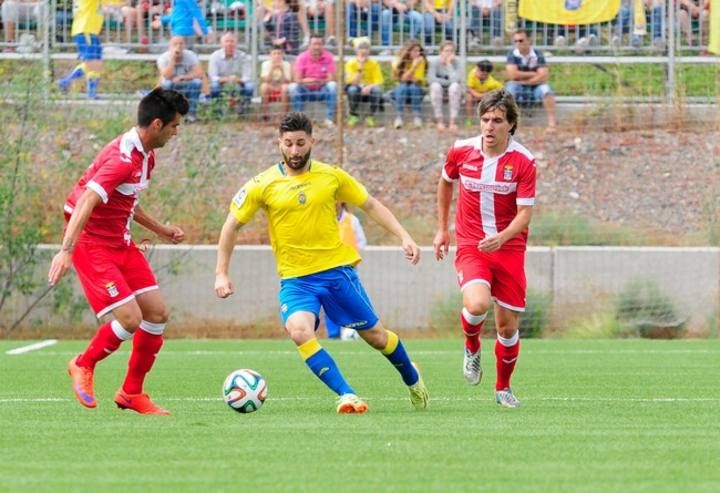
(79, 71)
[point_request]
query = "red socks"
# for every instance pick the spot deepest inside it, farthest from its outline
(145, 349)
(472, 328)
(106, 341)
(506, 354)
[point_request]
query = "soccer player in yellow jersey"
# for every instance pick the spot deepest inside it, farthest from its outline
(316, 268)
(86, 26)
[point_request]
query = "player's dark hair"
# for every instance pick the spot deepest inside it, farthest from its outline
(163, 104)
(485, 65)
(296, 122)
(504, 100)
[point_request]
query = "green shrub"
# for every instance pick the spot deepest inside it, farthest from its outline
(643, 310)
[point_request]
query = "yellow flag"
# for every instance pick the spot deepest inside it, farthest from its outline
(640, 28)
(569, 11)
(714, 45)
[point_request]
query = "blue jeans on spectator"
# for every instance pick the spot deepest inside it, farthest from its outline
(524, 93)
(448, 28)
(408, 92)
(299, 94)
(413, 17)
(188, 88)
(624, 22)
(495, 21)
(353, 15)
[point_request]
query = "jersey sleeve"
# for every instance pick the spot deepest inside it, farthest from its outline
(349, 189)
(112, 172)
(450, 171)
(526, 184)
(247, 201)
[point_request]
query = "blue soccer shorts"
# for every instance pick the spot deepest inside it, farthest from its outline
(338, 291)
(88, 46)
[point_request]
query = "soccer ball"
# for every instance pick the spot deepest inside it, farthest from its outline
(245, 390)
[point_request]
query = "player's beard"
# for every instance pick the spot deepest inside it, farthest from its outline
(299, 164)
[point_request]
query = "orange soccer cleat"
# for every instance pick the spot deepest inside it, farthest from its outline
(140, 403)
(82, 383)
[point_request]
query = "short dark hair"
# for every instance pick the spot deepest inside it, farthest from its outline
(316, 34)
(296, 122)
(522, 30)
(485, 65)
(504, 100)
(163, 104)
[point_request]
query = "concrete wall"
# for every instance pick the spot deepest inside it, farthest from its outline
(577, 278)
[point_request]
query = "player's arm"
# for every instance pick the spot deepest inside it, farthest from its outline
(441, 243)
(62, 261)
(518, 224)
(226, 245)
(382, 215)
(168, 232)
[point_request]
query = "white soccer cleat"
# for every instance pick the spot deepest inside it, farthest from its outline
(351, 404)
(471, 367)
(506, 398)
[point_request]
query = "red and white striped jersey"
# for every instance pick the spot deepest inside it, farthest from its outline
(120, 171)
(490, 189)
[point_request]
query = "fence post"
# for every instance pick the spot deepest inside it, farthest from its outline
(670, 82)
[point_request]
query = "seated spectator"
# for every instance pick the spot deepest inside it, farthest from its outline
(410, 71)
(186, 20)
(693, 17)
(121, 13)
(479, 83)
(314, 73)
(489, 13)
(315, 10)
(364, 82)
(439, 12)
(362, 11)
(275, 78)
(631, 19)
(229, 72)
(445, 77)
(149, 10)
(180, 69)
(403, 11)
(528, 76)
(16, 12)
(283, 28)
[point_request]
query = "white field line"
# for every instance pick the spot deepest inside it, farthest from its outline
(33, 347)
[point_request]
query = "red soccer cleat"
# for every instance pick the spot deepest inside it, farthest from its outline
(140, 403)
(82, 383)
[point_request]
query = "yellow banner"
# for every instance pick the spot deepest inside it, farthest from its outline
(569, 11)
(714, 44)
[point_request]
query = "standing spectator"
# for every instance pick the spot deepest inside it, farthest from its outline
(410, 71)
(358, 11)
(364, 80)
(439, 12)
(479, 83)
(528, 76)
(401, 11)
(229, 72)
(282, 27)
(445, 79)
(496, 194)
(486, 12)
(180, 69)
(187, 20)
(112, 270)
(17, 11)
(315, 78)
(86, 26)
(275, 78)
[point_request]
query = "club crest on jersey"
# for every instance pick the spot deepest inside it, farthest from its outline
(302, 198)
(507, 172)
(111, 289)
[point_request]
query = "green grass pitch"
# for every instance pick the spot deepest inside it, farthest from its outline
(597, 416)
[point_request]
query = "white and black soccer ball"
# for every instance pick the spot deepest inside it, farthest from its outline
(245, 390)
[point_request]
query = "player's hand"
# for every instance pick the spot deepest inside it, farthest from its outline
(490, 243)
(223, 286)
(412, 251)
(174, 234)
(59, 266)
(441, 243)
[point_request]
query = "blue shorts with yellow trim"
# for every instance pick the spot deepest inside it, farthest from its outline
(338, 291)
(88, 46)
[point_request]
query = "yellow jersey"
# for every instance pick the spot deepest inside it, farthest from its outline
(489, 84)
(87, 17)
(302, 219)
(371, 72)
(419, 74)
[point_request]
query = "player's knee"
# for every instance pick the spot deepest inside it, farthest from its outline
(507, 330)
(298, 331)
(130, 321)
(477, 307)
(159, 315)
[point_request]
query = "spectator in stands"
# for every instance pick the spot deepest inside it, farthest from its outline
(693, 17)
(16, 12)
(122, 13)
(180, 69)
(364, 83)
(314, 73)
(402, 11)
(316, 9)
(229, 72)
(486, 12)
(187, 20)
(439, 12)
(528, 76)
(410, 72)
(283, 28)
(479, 83)
(445, 77)
(362, 11)
(275, 79)
(151, 9)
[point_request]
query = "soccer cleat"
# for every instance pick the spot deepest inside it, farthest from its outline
(82, 383)
(471, 367)
(63, 85)
(419, 395)
(506, 398)
(140, 403)
(351, 404)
